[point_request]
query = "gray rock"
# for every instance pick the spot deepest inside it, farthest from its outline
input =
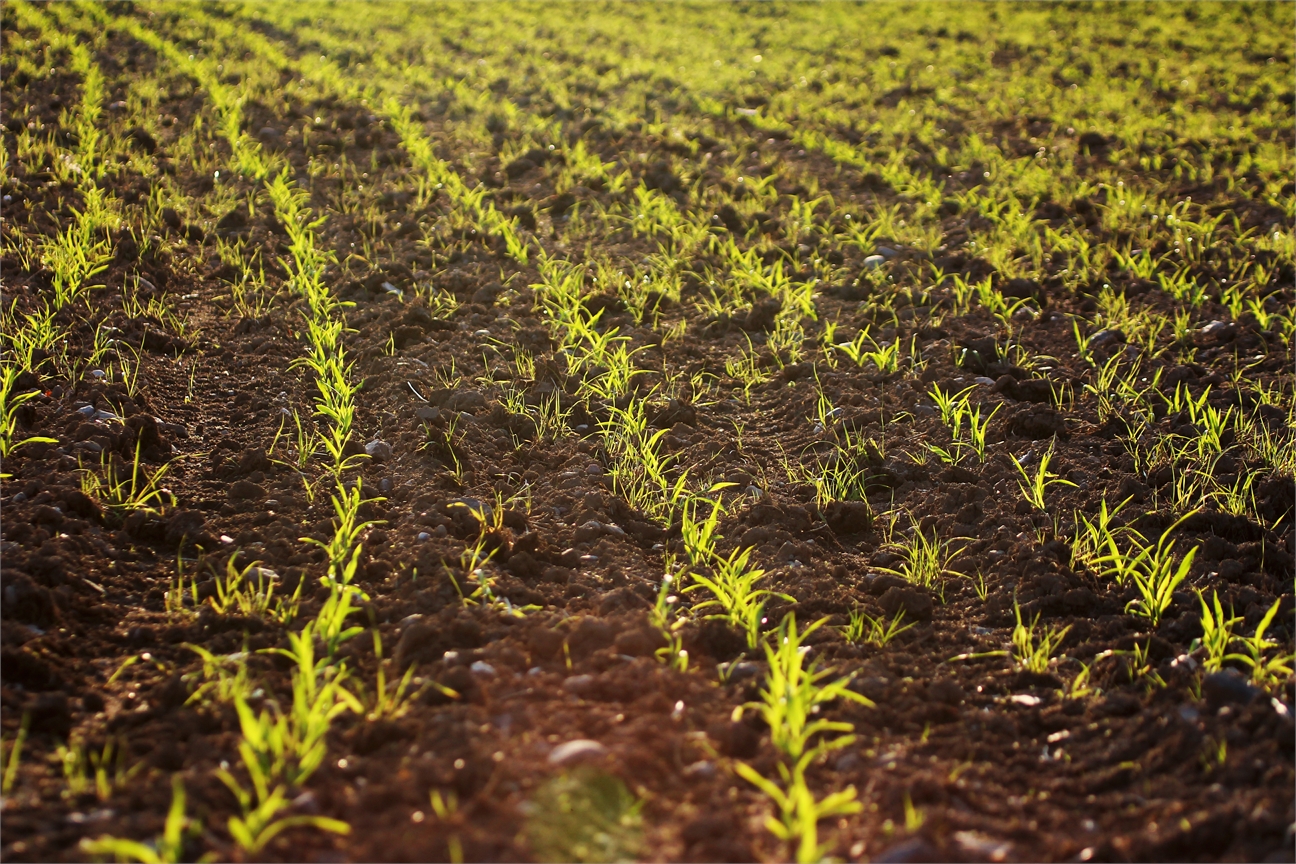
(427, 413)
(579, 685)
(1105, 337)
(1228, 686)
(379, 451)
(580, 750)
(873, 262)
(703, 770)
(887, 252)
(481, 667)
(424, 536)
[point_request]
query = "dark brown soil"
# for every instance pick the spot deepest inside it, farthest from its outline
(1001, 765)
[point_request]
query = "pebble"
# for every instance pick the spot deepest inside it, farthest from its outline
(19, 498)
(580, 750)
(306, 802)
(379, 450)
(385, 485)
(483, 334)
(481, 667)
(887, 252)
(981, 379)
(1214, 327)
(873, 262)
(98, 373)
(424, 536)
(1105, 337)
(701, 769)
(427, 413)
(1025, 699)
(594, 469)
(579, 685)
(271, 504)
(1229, 685)
(755, 492)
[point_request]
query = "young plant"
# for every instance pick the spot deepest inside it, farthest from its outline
(878, 632)
(166, 849)
(1217, 633)
(926, 559)
(792, 695)
(1265, 672)
(1033, 650)
(668, 623)
(732, 583)
(10, 404)
(121, 492)
(1036, 485)
(13, 756)
(1153, 569)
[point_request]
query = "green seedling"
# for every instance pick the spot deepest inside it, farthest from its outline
(878, 632)
(1036, 485)
(13, 756)
(10, 405)
(666, 619)
(791, 697)
(124, 492)
(1033, 650)
(732, 583)
(101, 772)
(389, 699)
(1152, 568)
(584, 816)
(166, 849)
(927, 559)
(1217, 633)
(236, 592)
(1265, 672)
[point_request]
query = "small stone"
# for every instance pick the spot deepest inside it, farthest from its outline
(424, 536)
(379, 451)
(427, 413)
(984, 381)
(873, 262)
(579, 685)
(19, 498)
(1228, 686)
(481, 667)
(702, 769)
(1025, 699)
(1105, 337)
(271, 504)
(594, 469)
(385, 485)
(580, 750)
(887, 252)
(100, 375)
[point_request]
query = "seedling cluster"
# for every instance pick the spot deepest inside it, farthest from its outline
(412, 402)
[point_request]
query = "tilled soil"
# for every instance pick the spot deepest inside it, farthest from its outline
(958, 759)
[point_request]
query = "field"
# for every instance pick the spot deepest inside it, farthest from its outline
(609, 431)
